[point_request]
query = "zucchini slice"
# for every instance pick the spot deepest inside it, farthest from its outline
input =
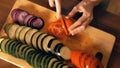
(17, 50)
(3, 45)
(35, 38)
(29, 35)
(46, 41)
(25, 50)
(32, 60)
(43, 60)
(57, 51)
(39, 41)
(49, 44)
(51, 61)
(58, 64)
(42, 44)
(7, 26)
(1, 40)
(54, 64)
(12, 30)
(65, 52)
(13, 43)
(54, 44)
(29, 54)
(20, 52)
(47, 61)
(18, 32)
(7, 45)
(36, 60)
(22, 34)
(13, 48)
(40, 59)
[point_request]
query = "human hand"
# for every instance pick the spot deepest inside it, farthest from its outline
(85, 7)
(57, 4)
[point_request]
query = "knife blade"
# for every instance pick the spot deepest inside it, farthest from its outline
(64, 26)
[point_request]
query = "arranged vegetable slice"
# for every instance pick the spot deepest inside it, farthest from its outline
(3, 45)
(12, 30)
(22, 34)
(7, 27)
(83, 59)
(46, 40)
(17, 33)
(22, 17)
(28, 36)
(35, 39)
(38, 59)
(41, 41)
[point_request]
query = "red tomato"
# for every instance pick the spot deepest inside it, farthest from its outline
(56, 28)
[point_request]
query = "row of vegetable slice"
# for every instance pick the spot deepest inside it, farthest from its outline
(37, 59)
(23, 17)
(38, 40)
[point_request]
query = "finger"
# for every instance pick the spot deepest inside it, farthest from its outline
(51, 3)
(77, 23)
(81, 27)
(77, 30)
(58, 8)
(72, 13)
(89, 19)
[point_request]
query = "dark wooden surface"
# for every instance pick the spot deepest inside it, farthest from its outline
(102, 20)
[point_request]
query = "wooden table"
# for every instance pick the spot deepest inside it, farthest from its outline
(105, 21)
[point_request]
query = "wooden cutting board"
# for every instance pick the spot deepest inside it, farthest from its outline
(91, 40)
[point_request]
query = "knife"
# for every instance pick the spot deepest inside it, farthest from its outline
(64, 26)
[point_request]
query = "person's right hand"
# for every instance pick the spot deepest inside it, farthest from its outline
(57, 4)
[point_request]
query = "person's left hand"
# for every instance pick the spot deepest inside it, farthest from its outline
(87, 9)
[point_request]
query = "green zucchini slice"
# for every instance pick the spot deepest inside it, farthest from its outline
(7, 49)
(36, 60)
(54, 64)
(32, 60)
(20, 52)
(17, 50)
(13, 43)
(51, 61)
(3, 45)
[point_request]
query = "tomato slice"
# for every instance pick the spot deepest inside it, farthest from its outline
(66, 23)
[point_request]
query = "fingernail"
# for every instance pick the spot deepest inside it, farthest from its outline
(67, 17)
(71, 33)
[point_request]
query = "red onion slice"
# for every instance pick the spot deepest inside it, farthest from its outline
(37, 23)
(21, 17)
(30, 20)
(27, 19)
